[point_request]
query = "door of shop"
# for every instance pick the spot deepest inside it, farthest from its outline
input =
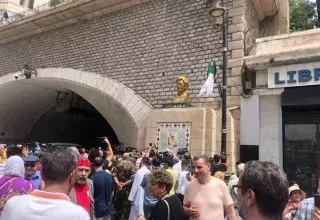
(301, 146)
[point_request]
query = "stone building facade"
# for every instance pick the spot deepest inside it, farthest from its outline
(285, 105)
(144, 46)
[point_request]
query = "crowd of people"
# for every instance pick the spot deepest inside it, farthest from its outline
(70, 183)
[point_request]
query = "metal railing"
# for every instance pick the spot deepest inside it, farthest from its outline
(30, 12)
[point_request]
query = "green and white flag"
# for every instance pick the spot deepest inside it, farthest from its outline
(210, 82)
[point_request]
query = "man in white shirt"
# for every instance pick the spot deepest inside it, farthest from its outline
(59, 176)
(177, 164)
(183, 181)
(137, 192)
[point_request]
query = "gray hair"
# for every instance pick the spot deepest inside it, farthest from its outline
(201, 156)
(57, 164)
(75, 152)
(270, 185)
(176, 159)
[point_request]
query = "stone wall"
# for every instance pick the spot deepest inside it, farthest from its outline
(252, 28)
(237, 28)
(145, 47)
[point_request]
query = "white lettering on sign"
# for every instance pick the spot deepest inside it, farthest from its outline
(294, 75)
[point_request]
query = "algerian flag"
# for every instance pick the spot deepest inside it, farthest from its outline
(209, 84)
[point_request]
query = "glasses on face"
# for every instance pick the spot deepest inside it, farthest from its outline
(29, 165)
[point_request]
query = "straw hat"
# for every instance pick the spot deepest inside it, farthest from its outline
(295, 187)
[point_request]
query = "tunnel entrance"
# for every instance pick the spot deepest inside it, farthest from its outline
(66, 105)
(72, 120)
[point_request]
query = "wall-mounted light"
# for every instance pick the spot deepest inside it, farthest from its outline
(27, 72)
(217, 13)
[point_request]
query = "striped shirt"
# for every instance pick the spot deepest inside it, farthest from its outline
(305, 210)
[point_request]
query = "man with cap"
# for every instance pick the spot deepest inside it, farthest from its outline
(31, 174)
(82, 192)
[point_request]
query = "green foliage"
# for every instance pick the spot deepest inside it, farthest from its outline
(55, 2)
(303, 15)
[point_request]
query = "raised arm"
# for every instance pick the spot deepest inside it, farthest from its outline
(110, 155)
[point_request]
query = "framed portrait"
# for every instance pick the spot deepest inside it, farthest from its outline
(173, 136)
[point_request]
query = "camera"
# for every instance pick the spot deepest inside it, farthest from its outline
(16, 76)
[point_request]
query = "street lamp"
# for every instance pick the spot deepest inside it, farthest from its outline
(217, 13)
(220, 18)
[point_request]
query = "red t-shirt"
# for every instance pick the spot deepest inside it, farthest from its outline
(82, 196)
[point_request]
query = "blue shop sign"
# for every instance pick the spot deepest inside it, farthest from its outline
(294, 75)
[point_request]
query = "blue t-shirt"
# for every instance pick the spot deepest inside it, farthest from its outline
(36, 180)
(103, 187)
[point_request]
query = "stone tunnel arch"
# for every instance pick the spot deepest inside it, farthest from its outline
(122, 108)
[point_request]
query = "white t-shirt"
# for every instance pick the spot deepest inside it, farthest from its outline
(210, 198)
(39, 205)
(177, 167)
(183, 182)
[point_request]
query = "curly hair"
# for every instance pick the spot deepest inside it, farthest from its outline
(161, 178)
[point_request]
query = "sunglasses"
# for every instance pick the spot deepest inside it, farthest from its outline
(29, 165)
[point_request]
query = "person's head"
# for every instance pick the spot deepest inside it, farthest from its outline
(168, 162)
(125, 156)
(216, 159)
(219, 175)
(29, 163)
(145, 161)
(14, 151)
(83, 170)
(176, 159)
(93, 154)
(98, 162)
(201, 167)
(185, 165)
(14, 167)
(24, 150)
(76, 152)
(211, 160)
(156, 162)
(152, 153)
(59, 168)
(262, 190)
(161, 183)
(182, 84)
(240, 168)
(106, 164)
(296, 195)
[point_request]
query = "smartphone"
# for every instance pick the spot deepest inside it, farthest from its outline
(317, 200)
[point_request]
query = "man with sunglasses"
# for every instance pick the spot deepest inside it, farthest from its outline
(31, 174)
